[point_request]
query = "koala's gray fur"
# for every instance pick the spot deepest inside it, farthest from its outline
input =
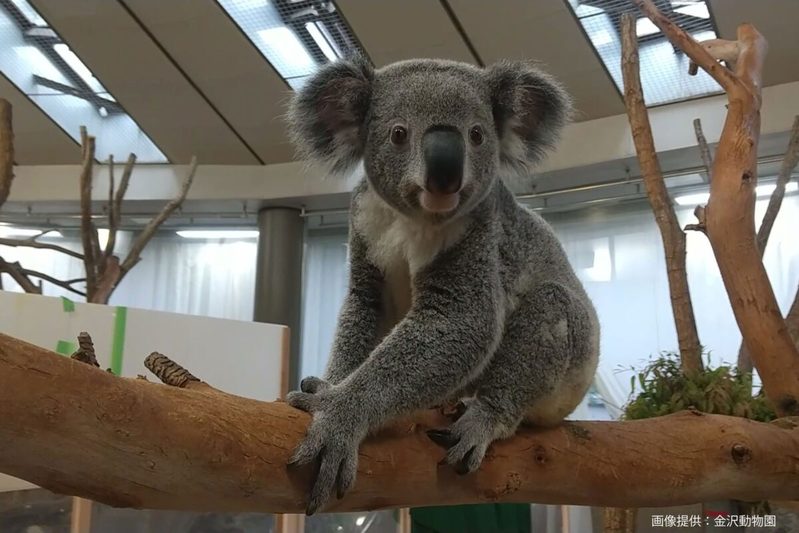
(478, 301)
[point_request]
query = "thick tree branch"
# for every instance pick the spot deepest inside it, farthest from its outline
(74, 429)
(147, 233)
(789, 162)
(6, 150)
(670, 231)
(729, 215)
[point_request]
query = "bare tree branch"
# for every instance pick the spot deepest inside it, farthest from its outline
(86, 225)
(33, 243)
(19, 275)
(231, 452)
(729, 214)
(6, 150)
(704, 149)
(115, 205)
(670, 231)
(789, 162)
(144, 237)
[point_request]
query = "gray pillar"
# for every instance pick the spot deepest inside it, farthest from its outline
(278, 275)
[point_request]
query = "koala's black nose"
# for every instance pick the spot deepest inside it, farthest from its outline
(443, 157)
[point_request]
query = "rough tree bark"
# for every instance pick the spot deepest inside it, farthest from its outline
(789, 163)
(728, 218)
(76, 429)
(670, 230)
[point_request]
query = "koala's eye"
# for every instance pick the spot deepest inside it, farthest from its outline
(399, 135)
(476, 135)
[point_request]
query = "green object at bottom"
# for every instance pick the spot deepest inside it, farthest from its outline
(484, 518)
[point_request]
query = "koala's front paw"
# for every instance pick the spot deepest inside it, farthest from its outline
(333, 438)
(467, 439)
(313, 384)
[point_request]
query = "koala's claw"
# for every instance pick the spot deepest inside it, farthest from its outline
(466, 440)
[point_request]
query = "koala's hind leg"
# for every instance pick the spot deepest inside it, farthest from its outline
(541, 371)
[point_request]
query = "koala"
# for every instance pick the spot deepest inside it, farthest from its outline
(455, 290)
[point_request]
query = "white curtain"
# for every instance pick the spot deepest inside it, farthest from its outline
(618, 254)
(198, 277)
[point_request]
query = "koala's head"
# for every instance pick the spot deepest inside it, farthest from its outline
(434, 135)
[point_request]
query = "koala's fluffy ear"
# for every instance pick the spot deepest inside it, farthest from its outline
(326, 117)
(530, 109)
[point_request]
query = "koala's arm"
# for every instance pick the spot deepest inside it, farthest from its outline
(356, 332)
(446, 337)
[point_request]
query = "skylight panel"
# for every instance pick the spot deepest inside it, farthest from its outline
(33, 57)
(295, 37)
(664, 69)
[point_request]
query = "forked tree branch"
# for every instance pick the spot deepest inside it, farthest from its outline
(75, 429)
(19, 275)
(115, 203)
(148, 232)
(670, 231)
(729, 215)
(88, 232)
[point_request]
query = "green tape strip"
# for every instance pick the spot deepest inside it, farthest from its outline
(118, 344)
(66, 348)
(69, 305)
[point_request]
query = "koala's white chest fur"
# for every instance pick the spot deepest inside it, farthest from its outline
(400, 247)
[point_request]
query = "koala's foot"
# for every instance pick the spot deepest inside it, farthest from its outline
(313, 384)
(468, 438)
(332, 438)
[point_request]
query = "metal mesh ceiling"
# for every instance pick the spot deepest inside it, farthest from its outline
(664, 69)
(33, 57)
(295, 36)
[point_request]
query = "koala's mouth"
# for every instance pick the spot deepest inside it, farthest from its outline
(439, 203)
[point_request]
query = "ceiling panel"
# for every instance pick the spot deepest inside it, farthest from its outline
(144, 80)
(227, 68)
(37, 139)
(544, 31)
(393, 31)
(777, 20)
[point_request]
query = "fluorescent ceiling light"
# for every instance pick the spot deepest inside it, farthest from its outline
(79, 67)
(295, 37)
(283, 44)
(29, 12)
(321, 41)
(760, 191)
(13, 231)
(644, 27)
(218, 234)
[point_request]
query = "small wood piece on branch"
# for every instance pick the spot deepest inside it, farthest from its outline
(85, 352)
(704, 149)
(730, 211)
(6, 150)
(161, 447)
(670, 231)
(170, 373)
(148, 232)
